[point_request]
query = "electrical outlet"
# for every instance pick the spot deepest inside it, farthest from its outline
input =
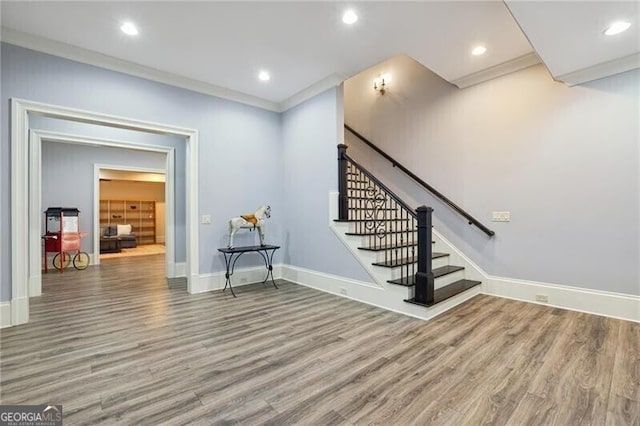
(206, 219)
(543, 298)
(343, 290)
(501, 216)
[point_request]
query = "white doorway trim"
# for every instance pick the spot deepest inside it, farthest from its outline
(170, 225)
(36, 137)
(22, 175)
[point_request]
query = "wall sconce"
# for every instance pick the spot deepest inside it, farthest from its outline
(381, 83)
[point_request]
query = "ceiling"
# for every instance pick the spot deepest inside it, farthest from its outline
(220, 47)
(569, 36)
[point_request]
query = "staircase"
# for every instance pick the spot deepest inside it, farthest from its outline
(396, 241)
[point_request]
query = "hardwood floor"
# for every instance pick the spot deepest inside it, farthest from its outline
(114, 344)
(140, 250)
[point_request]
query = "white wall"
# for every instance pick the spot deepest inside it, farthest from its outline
(564, 161)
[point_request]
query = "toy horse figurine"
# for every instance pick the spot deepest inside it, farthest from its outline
(250, 221)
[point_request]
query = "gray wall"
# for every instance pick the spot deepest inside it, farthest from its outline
(563, 160)
(67, 178)
(240, 147)
(309, 133)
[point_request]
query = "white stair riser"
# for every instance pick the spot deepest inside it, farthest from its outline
(387, 295)
(386, 226)
(440, 261)
(393, 255)
(381, 217)
(403, 253)
(370, 240)
(442, 281)
(361, 201)
(449, 278)
(399, 272)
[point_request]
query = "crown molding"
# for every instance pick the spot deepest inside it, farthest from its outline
(326, 83)
(499, 70)
(90, 57)
(601, 70)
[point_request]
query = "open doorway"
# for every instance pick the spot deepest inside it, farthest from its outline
(131, 212)
(26, 206)
(68, 174)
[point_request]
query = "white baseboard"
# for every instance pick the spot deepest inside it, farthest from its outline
(614, 305)
(216, 280)
(5, 314)
(19, 311)
(35, 285)
(176, 270)
(170, 269)
(180, 270)
(390, 297)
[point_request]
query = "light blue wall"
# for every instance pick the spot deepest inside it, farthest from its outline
(563, 160)
(240, 149)
(309, 133)
(84, 160)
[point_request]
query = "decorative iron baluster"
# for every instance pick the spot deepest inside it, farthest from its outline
(388, 224)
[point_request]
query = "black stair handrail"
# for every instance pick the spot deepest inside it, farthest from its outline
(438, 194)
(381, 185)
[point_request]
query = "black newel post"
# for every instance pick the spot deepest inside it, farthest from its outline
(343, 198)
(424, 277)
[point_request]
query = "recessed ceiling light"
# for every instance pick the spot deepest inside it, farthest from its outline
(478, 50)
(617, 28)
(349, 17)
(129, 29)
(264, 76)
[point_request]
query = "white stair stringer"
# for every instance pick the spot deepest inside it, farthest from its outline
(388, 296)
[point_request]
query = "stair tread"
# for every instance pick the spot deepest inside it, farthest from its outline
(389, 209)
(448, 291)
(369, 220)
(390, 246)
(406, 261)
(367, 233)
(437, 273)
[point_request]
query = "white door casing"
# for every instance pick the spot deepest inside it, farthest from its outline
(24, 177)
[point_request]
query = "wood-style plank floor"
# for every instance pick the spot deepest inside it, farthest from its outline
(115, 345)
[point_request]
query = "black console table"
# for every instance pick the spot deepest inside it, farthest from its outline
(265, 251)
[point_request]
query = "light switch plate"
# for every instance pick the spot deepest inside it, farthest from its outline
(501, 216)
(206, 219)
